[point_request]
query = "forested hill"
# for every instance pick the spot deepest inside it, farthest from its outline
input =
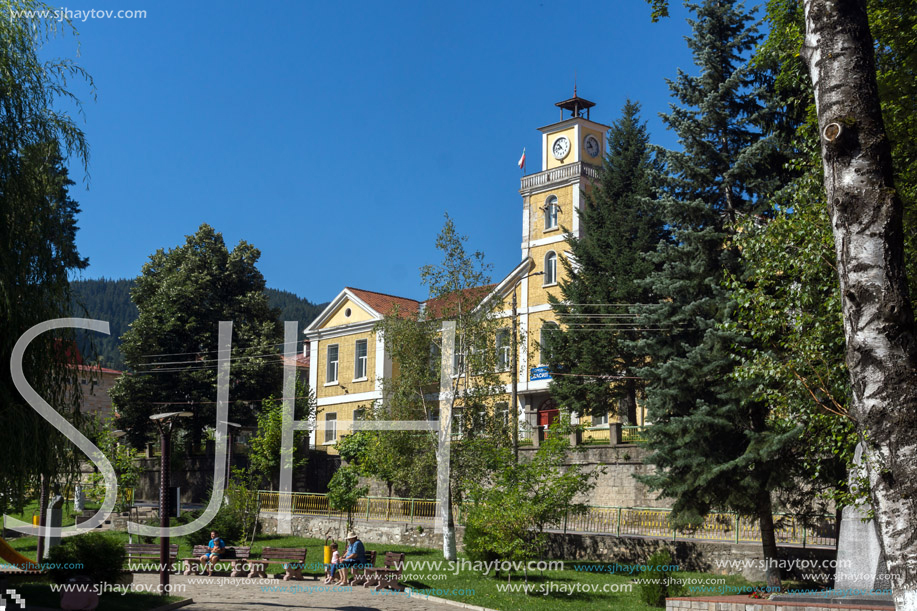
(110, 300)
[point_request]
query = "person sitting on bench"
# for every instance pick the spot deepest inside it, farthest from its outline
(217, 547)
(355, 556)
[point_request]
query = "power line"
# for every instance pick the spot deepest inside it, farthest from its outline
(206, 351)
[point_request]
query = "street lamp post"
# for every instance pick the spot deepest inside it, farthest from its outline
(515, 366)
(164, 423)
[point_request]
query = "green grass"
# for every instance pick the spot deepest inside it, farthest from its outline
(67, 519)
(551, 590)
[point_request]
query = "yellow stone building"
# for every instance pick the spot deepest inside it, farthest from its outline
(348, 361)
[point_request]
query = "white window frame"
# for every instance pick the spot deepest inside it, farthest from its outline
(331, 427)
(600, 420)
(551, 210)
(550, 268)
(360, 363)
(332, 366)
(504, 350)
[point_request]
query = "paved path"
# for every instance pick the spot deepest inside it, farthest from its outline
(239, 594)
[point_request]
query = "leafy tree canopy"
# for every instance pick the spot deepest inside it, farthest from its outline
(182, 295)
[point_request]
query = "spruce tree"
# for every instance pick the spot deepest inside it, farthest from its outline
(713, 444)
(593, 355)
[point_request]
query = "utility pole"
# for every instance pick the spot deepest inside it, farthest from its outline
(514, 398)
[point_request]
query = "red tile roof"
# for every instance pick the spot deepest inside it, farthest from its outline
(301, 362)
(466, 299)
(384, 304)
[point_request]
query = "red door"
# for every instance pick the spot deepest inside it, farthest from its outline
(548, 417)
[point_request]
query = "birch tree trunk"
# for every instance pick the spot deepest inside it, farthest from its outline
(866, 215)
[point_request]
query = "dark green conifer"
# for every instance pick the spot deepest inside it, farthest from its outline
(713, 445)
(592, 354)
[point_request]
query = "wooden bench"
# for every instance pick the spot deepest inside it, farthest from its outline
(294, 559)
(149, 552)
(359, 574)
(238, 556)
(389, 575)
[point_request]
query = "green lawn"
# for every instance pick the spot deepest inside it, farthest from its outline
(67, 519)
(564, 590)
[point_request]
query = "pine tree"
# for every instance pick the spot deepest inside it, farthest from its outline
(713, 445)
(620, 225)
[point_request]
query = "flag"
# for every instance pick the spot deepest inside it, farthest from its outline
(522, 159)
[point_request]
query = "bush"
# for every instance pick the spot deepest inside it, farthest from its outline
(185, 518)
(237, 517)
(100, 557)
(656, 580)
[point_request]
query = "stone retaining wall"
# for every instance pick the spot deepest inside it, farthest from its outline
(702, 556)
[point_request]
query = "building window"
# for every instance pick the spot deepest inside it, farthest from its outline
(544, 342)
(331, 427)
(503, 350)
(359, 360)
(550, 213)
(359, 414)
(502, 410)
(331, 373)
(600, 419)
(550, 268)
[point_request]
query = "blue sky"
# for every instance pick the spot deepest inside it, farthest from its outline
(334, 136)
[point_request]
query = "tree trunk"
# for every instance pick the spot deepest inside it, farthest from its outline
(449, 546)
(42, 518)
(769, 542)
(866, 216)
(627, 404)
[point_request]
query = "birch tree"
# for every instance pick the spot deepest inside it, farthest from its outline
(866, 217)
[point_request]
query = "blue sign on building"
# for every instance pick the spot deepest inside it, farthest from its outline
(539, 373)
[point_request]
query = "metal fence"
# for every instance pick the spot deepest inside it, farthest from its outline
(633, 434)
(368, 508)
(630, 521)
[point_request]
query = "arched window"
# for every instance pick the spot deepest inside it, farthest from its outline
(550, 268)
(550, 212)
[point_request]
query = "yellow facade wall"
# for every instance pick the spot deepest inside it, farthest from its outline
(571, 157)
(564, 197)
(346, 365)
(535, 323)
(340, 317)
(344, 413)
(537, 291)
(600, 136)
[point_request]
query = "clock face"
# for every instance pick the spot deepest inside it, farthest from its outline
(561, 147)
(592, 146)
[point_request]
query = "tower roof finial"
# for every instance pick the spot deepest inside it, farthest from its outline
(574, 83)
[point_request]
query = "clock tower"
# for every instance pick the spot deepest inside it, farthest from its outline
(571, 157)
